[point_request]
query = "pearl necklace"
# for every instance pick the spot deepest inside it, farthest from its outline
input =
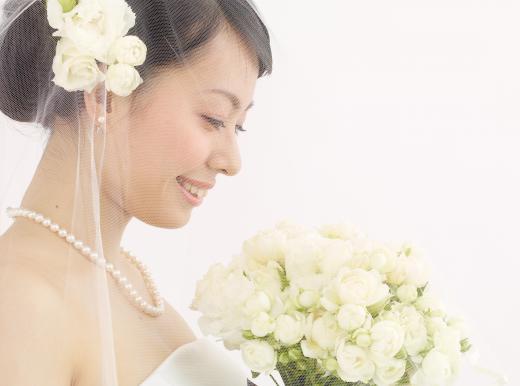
(138, 301)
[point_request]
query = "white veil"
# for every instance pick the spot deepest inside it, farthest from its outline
(108, 125)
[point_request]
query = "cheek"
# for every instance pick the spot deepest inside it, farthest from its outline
(166, 146)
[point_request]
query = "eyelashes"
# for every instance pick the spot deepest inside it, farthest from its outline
(217, 123)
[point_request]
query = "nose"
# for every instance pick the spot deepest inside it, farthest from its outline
(226, 155)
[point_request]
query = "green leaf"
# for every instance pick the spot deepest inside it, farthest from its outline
(283, 278)
(420, 290)
(465, 345)
(247, 334)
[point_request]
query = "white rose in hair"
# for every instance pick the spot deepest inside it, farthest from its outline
(258, 355)
(55, 13)
(129, 50)
(122, 79)
(389, 372)
(73, 70)
(94, 25)
(354, 363)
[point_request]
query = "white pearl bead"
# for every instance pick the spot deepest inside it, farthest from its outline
(116, 273)
(46, 223)
(86, 251)
(78, 244)
(128, 286)
(62, 233)
(31, 215)
(38, 218)
(70, 239)
(55, 227)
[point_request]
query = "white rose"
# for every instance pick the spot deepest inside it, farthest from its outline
(435, 324)
(267, 279)
(258, 355)
(351, 316)
(308, 298)
(343, 231)
(311, 349)
(383, 258)
(416, 334)
(303, 262)
(459, 324)
(220, 296)
(291, 229)
(335, 254)
(387, 339)
(55, 13)
(74, 71)
(409, 270)
(435, 370)
(262, 324)
(389, 372)
(447, 341)
(415, 338)
(325, 331)
(256, 303)
(407, 293)
(289, 328)
(329, 299)
(122, 79)
(354, 363)
(266, 245)
(429, 303)
(94, 25)
(128, 49)
(357, 286)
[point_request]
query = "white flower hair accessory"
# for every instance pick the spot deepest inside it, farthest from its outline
(92, 32)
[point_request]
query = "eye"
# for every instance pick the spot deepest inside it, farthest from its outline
(217, 123)
(239, 128)
(213, 121)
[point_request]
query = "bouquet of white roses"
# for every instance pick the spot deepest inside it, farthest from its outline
(331, 307)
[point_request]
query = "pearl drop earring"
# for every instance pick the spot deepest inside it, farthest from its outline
(99, 126)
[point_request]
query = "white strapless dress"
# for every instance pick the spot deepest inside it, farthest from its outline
(198, 363)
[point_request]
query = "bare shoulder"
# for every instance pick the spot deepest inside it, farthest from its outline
(34, 328)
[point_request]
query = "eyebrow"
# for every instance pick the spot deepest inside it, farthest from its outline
(232, 98)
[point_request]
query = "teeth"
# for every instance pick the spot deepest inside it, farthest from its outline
(200, 193)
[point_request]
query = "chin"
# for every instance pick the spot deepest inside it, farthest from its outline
(171, 218)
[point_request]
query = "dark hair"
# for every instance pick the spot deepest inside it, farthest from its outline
(173, 31)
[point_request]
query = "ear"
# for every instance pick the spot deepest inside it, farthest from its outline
(94, 102)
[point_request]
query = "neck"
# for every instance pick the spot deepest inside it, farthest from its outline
(67, 189)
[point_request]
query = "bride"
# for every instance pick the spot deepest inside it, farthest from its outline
(137, 127)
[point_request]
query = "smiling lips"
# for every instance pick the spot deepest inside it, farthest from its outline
(196, 189)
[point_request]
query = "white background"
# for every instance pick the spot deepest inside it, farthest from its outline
(399, 116)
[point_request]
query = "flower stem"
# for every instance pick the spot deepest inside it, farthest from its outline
(271, 375)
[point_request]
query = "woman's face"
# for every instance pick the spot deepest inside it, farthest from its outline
(187, 124)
